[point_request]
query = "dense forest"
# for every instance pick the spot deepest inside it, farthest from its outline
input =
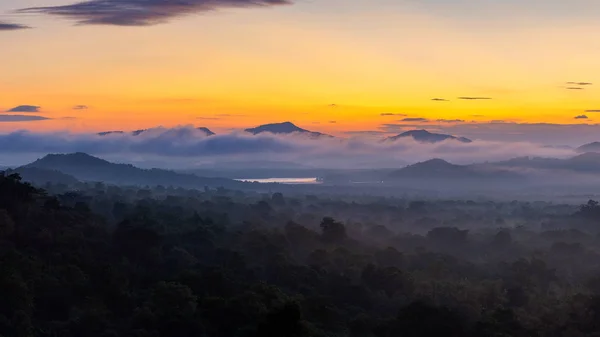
(105, 261)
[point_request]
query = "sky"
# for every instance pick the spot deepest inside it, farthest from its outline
(487, 69)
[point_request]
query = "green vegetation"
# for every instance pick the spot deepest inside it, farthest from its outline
(115, 261)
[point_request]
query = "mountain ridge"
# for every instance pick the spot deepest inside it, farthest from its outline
(85, 167)
(424, 136)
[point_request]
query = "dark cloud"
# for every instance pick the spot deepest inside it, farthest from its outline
(11, 26)
(451, 120)
(81, 107)
(415, 119)
(25, 108)
(392, 114)
(141, 12)
(581, 117)
(580, 83)
(574, 88)
(21, 118)
(473, 98)
(439, 99)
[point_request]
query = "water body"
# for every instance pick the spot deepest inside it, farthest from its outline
(288, 181)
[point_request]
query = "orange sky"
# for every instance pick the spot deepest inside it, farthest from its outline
(241, 68)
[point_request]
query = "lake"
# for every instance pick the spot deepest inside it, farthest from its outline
(289, 181)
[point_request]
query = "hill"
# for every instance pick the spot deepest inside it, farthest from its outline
(39, 177)
(591, 147)
(283, 128)
(89, 168)
(586, 162)
(424, 136)
(438, 172)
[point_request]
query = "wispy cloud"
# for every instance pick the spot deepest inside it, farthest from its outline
(580, 83)
(439, 99)
(21, 118)
(451, 120)
(25, 108)
(81, 107)
(581, 117)
(593, 110)
(574, 88)
(209, 118)
(392, 114)
(141, 12)
(415, 119)
(471, 98)
(5, 26)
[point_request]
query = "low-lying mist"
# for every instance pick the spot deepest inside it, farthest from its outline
(187, 147)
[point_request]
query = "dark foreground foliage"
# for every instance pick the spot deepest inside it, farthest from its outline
(109, 261)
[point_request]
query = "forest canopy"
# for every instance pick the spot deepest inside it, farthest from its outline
(102, 260)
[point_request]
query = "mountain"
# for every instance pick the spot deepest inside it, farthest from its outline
(139, 132)
(38, 176)
(89, 168)
(437, 171)
(591, 147)
(283, 128)
(424, 136)
(586, 162)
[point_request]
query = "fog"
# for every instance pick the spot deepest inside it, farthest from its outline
(185, 147)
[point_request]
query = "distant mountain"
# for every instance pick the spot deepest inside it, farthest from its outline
(591, 147)
(89, 168)
(586, 162)
(283, 128)
(139, 132)
(424, 136)
(38, 176)
(438, 170)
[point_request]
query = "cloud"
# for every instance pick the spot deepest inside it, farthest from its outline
(503, 131)
(21, 118)
(392, 114)
(81, 107)
(333, 105)
(11, 26)
(332, 122)
(141, 12)
(581, 117)
(209, 118)
(25, 108)
(473, 98)
(186, 147)
(439, 99)
(580, 83)
(574, 88)
(415, 119)
(450, 120)
(593, 111)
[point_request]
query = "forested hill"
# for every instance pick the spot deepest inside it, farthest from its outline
(89, 168)
(111, 261)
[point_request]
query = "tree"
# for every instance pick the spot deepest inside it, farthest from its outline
(332, 231)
